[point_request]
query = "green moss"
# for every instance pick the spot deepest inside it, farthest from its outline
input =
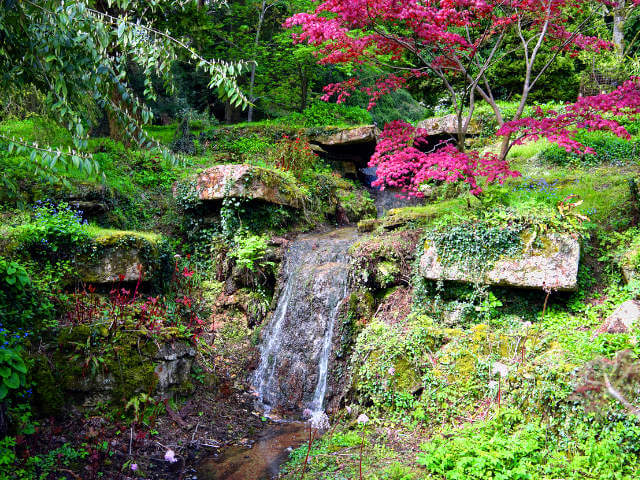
(86, 360)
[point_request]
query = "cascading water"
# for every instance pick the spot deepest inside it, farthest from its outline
(295, 353)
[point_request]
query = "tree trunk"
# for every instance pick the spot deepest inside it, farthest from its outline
(619, 19)
(256, 42)
(304, 88)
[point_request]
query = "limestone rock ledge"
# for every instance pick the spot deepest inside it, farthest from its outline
(123, 256)
(347, 136)
(248, 181)
(554, 266)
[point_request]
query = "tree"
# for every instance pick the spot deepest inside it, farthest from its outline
(78, 52)
(457, 42)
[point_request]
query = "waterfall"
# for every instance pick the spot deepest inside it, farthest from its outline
(297, 341)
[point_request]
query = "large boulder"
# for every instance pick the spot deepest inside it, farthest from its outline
(446, 125)
(554, 266)
(123, 256)
(347, 136)
(248, 181)
(623, 319)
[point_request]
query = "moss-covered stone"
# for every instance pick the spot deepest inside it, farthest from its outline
(91, 364)
(127, 256)
(250, 182)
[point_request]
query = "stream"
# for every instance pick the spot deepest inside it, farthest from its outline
(295, 353)
(260, 462)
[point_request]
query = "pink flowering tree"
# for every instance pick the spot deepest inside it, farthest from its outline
(457, 42)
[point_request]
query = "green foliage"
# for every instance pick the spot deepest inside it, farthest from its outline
(57, 232)
(609, 148)
(508, 447)
(321, 114)
(23, 304)
(250, 253)
(475, 245)
(79, 56)
(13, 371)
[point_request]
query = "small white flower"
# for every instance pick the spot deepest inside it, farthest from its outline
(392, 371)
(500, 369)
(170, 456)
(319, 421)
(363, 419)
(493, 385)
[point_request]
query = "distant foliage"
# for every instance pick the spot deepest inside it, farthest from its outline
(607, 148)
(320, 114)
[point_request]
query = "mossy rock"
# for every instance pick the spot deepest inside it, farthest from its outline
(126, 256)
(249, 182)
(89, 363)
(553, 264)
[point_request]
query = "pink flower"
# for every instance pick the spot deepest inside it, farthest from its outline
(134, 467)
(170, 456)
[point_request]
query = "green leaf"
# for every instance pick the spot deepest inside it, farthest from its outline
(3, 391)
(13, 381)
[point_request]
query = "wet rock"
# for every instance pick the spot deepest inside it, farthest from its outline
(554, 266)
(368, 225)
(347, 136)
(247, 181)
(446, 125)
(623, 319)
(297, 342)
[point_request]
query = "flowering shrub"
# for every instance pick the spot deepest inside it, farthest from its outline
(401, 164)
(57, 232)
(293, 155)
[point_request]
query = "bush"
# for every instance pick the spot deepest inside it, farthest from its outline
(320, 114)
(292, 155)
(609, 149)
(58, 232)
(22, 303)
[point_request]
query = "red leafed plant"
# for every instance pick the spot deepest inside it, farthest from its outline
(458, 42)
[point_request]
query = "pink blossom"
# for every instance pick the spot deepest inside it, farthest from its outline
(134, 467)
(170, 456)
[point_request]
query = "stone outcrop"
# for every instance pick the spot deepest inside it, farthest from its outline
(247, 181)
(554, 266)
(122, 256)
(347, 136)
(446, 125)
(623, 319)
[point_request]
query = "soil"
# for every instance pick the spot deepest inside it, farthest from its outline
(209, 421)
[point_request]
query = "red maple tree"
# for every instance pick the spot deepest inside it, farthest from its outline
(458, 42)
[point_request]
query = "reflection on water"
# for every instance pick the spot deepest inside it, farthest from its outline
(260, 462)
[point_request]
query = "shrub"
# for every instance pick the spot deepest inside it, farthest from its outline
(58, 232)
(609, 149)
(292, 155)
(320, 114)
(22, 303)
(250, 253)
